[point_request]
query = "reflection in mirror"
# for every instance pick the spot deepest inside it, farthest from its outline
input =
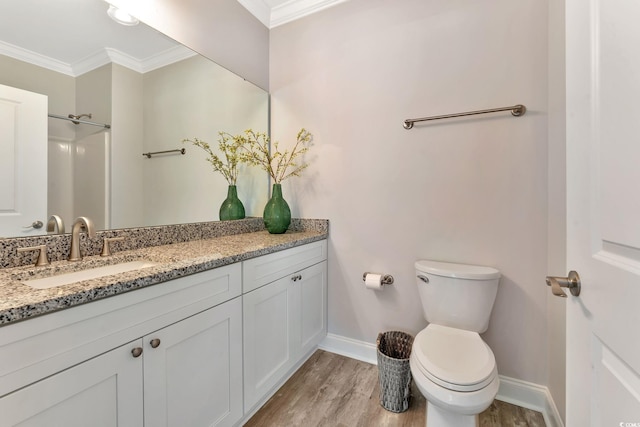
(152, 91)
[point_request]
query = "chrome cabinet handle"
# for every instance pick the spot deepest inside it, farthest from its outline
(572, 282)
(155, 343)
(296, 277)
(35, 224)
(136, 352)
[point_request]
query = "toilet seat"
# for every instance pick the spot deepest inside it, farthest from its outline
(453, 358)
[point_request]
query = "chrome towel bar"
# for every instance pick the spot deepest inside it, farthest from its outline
(153, 153)
(516, 110)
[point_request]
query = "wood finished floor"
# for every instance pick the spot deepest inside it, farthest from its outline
(333, 390)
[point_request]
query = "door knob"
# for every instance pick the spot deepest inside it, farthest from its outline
(155, 342)
(35, 224)
(557, 283)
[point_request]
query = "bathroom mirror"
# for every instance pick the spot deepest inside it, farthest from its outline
(152, 92)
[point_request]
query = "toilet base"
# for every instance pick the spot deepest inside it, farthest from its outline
(438, 417)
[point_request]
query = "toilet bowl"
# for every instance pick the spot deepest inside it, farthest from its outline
(451, 365)
(456, 372)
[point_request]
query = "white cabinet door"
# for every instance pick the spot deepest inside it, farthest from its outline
(105, 391)
(193, 372)
(283, 321)
(313, 306)
(269, 314)
(23, 161)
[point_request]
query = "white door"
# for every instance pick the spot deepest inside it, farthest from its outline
(603, 212)
(193, 370)
(23, 161)
(105, 391)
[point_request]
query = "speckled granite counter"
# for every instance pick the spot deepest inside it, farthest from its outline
(19, 301)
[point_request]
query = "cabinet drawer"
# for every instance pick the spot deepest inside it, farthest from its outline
(268, 268)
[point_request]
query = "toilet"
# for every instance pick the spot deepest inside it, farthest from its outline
(454, 369)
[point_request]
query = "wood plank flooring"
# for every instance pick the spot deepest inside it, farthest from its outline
(336, 391)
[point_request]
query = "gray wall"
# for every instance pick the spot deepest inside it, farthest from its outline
(468, 190)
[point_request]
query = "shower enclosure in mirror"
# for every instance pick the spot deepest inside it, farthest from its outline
(152, 92)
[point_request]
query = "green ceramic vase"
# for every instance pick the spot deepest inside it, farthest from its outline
(232, 207)
(277, 215)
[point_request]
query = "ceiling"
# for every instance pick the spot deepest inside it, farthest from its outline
(75, 36)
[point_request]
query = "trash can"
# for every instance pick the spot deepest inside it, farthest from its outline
(394, 373)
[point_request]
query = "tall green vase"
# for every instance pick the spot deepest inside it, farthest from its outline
(232, 207)
(277, 215)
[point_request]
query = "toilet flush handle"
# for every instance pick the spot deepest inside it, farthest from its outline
(425, 279)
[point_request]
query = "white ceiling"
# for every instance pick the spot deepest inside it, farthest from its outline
(76, 36)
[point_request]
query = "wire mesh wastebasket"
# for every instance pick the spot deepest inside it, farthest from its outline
(394, 373)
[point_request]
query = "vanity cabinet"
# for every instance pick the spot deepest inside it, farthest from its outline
(191, 374)
(284, 316)
(202, 350)
(182, 364)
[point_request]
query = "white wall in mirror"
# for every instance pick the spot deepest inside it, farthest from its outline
(102, 173)
(212, 100)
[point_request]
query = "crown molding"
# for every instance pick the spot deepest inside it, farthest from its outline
(90, 62)
(34, 58)
(259, 9)
(98, 59)
(296, 9)
(286, 12)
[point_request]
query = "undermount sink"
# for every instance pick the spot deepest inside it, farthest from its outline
(88, 274)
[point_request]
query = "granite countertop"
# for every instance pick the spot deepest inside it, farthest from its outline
(19, 301)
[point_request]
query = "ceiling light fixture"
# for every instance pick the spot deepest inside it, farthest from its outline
(121, 17)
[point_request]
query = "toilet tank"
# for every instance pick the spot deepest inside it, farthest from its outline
(457, 295)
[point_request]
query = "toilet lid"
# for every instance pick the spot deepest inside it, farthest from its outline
(457, 271)
(454, 358)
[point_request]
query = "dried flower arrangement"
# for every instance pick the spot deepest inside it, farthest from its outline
(280, 165)
(228, 163)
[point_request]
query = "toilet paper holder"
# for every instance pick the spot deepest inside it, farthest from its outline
(387, 279)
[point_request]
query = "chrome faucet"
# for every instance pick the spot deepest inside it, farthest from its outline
(55, 222)
(80, 223)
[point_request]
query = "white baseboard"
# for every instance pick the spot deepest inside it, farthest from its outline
(531, 396)
(354, 349)
(522, 393)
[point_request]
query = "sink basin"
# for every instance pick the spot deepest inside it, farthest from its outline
(91, 273)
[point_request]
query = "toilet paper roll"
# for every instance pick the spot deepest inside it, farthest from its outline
(373, 281)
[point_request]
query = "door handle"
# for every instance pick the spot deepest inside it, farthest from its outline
(557, 283)
(35, 224)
